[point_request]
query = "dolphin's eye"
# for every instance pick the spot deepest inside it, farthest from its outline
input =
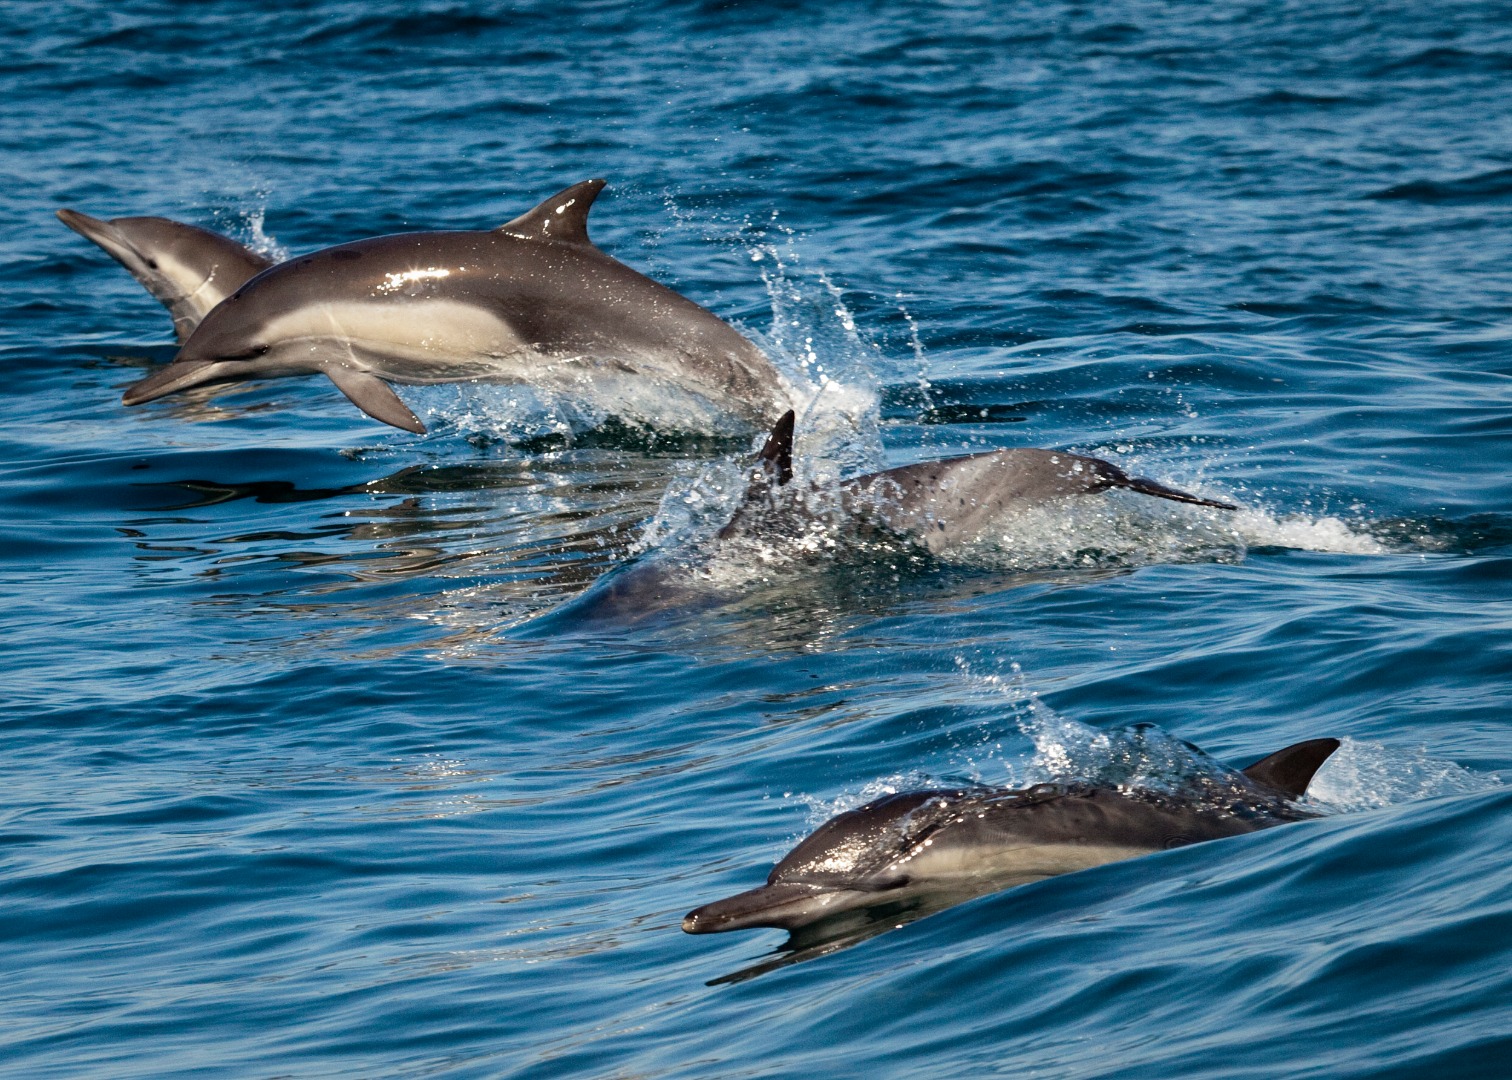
(251, 354)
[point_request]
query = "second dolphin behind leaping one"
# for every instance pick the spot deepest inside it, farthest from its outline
(188, 268)
(533, 301)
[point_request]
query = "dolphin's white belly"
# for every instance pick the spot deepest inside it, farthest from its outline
(1014, 865)
(414, 341)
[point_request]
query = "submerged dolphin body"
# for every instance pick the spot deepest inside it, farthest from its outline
(188, 268)
(968, 842)
(532, 301)
(941, 503)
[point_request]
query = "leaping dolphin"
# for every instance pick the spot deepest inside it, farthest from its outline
(532, 301)
(941, 503)
(188, 268)
(972, 841)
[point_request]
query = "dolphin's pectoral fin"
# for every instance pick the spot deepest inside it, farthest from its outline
(375, 397)
(1289, 771)
(563, 217)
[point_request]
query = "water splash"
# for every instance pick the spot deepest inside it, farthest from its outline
(1358, 776)
(242, 214)
(516, 412)
(1367, 775)
(830, 368)
(253, 221)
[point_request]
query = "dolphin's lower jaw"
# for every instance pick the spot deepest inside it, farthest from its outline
(179, 375)
(783, 906)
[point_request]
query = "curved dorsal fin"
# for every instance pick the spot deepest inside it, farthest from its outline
(1289, 771)
(776, 458)
(563, 217)
(774, 467)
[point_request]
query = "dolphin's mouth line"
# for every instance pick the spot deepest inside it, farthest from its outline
(786, 905)
(178, 375)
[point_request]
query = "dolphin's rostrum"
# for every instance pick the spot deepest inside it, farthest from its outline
(971, 841)
(533, 301)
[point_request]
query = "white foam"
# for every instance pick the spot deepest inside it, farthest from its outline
(1261, 528)
(252, 222)
(1124, 529)
(1366, 775)
(515, 411)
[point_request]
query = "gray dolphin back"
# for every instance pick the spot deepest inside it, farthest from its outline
(947, 501)
(189, 269)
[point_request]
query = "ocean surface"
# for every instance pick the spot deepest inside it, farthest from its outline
(327, 753)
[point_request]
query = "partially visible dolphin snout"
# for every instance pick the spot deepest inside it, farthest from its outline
(784, 905)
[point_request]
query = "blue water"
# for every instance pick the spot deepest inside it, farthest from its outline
(322, 757)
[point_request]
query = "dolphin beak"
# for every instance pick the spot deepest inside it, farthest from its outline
(785, 905)
(101, 232)
(179, 375)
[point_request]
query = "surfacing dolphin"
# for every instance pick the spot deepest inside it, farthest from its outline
(971, 841)
(188, 268)
(532, 301)
(941, 503)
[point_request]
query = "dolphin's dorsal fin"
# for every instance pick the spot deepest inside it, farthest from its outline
(774, 467)
(776, 457)
(563, 217)
(1289, 771)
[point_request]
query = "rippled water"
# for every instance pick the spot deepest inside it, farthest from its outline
(328, 751)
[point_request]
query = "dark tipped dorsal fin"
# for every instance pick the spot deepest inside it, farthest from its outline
(776, 457)
(1289, 771)
(774, 467)
(563, 217)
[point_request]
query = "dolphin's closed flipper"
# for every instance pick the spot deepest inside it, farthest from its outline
(187, 268)
(375, 397)
(1289, 771)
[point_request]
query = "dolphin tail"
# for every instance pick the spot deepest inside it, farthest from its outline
(1289, 771)
(1160, 491)
(375, 397)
